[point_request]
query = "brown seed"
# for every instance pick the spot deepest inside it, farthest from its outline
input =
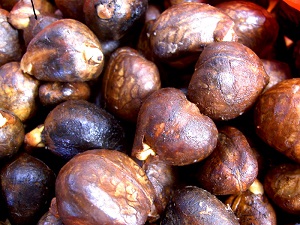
(11, 48)
(18, 91)
(252, 207)
(53, 93)
(65, 51)
(152, 13)
(128, 80)
(51, 216)
(172, 128)
(255, 26)
(282, 186)
(277, 117)
(12, 134)
(163, 179)
(277, 71)
(232, 167)
(20, 14)
(181, 32)
(263, 3)
(143, 44)
(103, 187)
(71, 9)
(36, 25)
(227, 81)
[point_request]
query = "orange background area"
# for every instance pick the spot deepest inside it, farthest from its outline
(294, 3)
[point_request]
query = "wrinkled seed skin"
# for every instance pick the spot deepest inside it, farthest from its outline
(227, 81)
(103, 187)
(252, 209)
(27, 186)
(75, 126)
(60, 52)
(192, 205)
(111, 20)
(277, 117)
(232, 167)
(53, 93)
(255, 26)
(18, 91)
(281, 185)
(178, 37)
(12, 134)
(174, 128)
(129, 78)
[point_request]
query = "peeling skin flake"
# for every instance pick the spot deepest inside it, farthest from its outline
(256, 188)
(34, 137)
(145, 153)
(27, 69)
(3, 120)
(93, 55)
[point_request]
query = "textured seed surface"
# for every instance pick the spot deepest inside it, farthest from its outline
(18, 91)
(227, 81)
(129, 78)
(103, 186)
(277, 117)
(232, 167)
(172, 127)
(66, 51)
(183, 30)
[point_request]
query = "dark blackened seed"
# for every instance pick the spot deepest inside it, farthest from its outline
(77, 125)
(27, 187)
